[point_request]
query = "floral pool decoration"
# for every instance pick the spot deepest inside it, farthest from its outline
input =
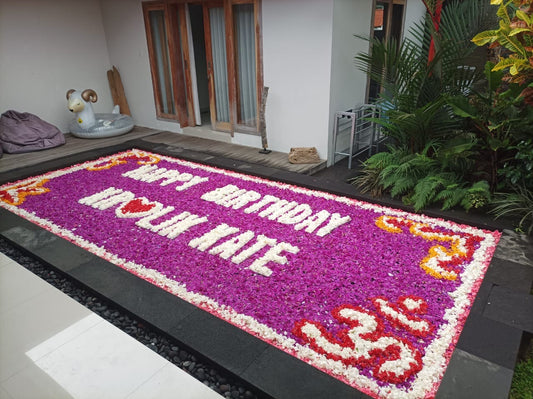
(373, 296)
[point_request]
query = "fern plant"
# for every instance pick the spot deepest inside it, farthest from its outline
(368, 180)
(425, 178)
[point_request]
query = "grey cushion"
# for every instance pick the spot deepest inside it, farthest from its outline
(25, 132)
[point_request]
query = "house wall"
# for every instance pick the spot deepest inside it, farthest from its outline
(348, 84)
(48, 47)
(297, 69)
(414, 13)
(296, 65)
(308, 50)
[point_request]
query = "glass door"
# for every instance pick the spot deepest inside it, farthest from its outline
(245, 64)
(217, 66)
(388, 24)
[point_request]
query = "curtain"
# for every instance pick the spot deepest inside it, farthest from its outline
(243, 16)
(220, 71)
(160, 45)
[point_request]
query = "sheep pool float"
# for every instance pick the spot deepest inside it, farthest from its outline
(89, 125)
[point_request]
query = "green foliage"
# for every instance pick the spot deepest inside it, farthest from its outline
(515, 35)
(498, 118)
(517, 175)
(416, 128)
(519, 204)
(455, 130)
(522, 386)
(402, 69)
(518, 171)
(426, 177)
(368, 180)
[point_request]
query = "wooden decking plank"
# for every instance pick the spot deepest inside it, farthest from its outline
(76, 145)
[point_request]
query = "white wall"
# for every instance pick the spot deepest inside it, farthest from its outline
(348, 84)
(48, 47)
(414, 13)
(297, 68)
(126, 40)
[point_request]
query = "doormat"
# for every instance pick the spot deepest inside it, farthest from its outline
(373, 296)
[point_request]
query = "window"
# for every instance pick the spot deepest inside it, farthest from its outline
(166, 62)
(204, 58)
(388, 23)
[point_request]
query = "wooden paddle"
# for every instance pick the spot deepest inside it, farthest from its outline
(117, 91)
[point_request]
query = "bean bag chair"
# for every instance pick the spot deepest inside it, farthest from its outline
(25, 132)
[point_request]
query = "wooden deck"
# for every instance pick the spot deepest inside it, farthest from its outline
(275, 159)
(76, 145)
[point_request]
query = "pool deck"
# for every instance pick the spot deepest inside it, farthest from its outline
(480, 367)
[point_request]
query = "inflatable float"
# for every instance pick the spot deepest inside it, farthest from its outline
(89, 125)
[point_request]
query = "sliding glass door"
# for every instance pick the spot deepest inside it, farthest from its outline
(225, 56)
(217, 67)
(245, 64)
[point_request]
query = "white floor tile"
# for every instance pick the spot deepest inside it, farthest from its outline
(53, 347)
(171, 382)
(3, 393)
(4, 261)
(64, 336)
(32, 322)
(17, 284)
(33, 383)
(102, 362)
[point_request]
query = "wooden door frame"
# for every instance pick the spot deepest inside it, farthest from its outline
(233, 89)
(174, 56)
(180, 71)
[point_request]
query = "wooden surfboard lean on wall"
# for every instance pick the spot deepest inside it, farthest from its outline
(117, 91)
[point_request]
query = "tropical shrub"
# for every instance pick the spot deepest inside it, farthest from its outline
(498, 118)
(430, 160)
(514, 39)
(518, 171)
(434, 175)
(517, 204)
(513, 43)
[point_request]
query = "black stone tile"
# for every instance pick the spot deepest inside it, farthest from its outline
(331, 186)
(282, 376)
(295, 178)
(219, 341)
(20, 229)
(510, 307)
(509, 274)
(482, 297)
(63, 254)
(516, 247)
(149, 302)
(503, 273)
(103, 277)
(490, 340)
(154, 305)
(42, 244)
(226, 163)
(183, 153)
(470, 377)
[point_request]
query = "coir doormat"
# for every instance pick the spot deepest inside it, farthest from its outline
(373, 296)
